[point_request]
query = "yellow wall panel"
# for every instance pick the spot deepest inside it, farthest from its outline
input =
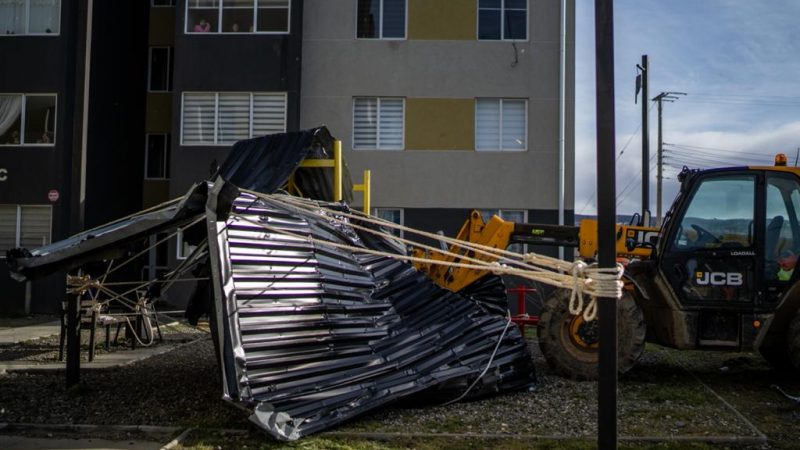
(440, 124)
(442, 19)
(158, 116)
(154, 192)
(162, 27)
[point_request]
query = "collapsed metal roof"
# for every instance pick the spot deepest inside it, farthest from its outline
(311, 335)
(315, 335)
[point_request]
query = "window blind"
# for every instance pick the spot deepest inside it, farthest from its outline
(8, 228)
(198, 118)
(35, 226)
(269, 114)
(234, 118)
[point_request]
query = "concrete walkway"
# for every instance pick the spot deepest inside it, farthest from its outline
(13, 335)
(19, 443)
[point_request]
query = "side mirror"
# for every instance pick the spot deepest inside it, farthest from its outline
(630, 244)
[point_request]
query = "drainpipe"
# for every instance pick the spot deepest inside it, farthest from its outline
(562, 94)
(85, 119)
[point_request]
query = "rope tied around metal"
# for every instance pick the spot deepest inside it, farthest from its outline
(597, 282)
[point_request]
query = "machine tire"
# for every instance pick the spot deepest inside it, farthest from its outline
(570, 355)
(794, 341)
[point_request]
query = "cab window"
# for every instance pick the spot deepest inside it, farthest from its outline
(781, 227)
(720, 215)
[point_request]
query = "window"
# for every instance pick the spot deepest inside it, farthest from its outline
(502, 19)
(719, 214)
(24, 226)
(224, 118)
(156, 157)
(394, 215)
(501, 124)
(160, 69)
(184, 249)
(381, 19)
(27, 119)
(238, 16)
(510, 215)
(782, 227)
(30, 17)
(378, 123)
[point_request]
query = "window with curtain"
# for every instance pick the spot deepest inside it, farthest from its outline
(381, 19)
(378, 123)
(238, 16)
(501, 124)
(27, 226)
(27, 119)
(224, 118)
(39, 17)
(503, 19)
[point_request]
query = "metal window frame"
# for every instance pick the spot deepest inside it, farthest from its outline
(147, 155)
(27, 32)
(378, 147)
(500, 147)
(380, 36)
(150, 68)
(502, 28)
(376, 209)
(23, 112)
(220, 8)
(18, 227)
(216, 142)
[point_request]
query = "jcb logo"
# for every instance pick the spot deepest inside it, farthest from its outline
(718, 278)
(643, 236)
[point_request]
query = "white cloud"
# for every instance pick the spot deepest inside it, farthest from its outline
(735, 59)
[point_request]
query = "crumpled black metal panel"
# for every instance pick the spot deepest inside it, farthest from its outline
(106, 241)
(264, 164)
(313, 335)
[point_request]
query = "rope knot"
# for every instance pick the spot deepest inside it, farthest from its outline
(599, 282)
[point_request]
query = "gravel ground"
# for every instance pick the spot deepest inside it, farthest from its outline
(659, 397)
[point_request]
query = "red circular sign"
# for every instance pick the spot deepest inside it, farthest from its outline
(52, 195)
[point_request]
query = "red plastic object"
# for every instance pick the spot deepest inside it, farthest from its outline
(521, 318)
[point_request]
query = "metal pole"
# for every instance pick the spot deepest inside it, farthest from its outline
(660, 162)
(645, 141)
(73, 339)
(606, 178)
(562, 108)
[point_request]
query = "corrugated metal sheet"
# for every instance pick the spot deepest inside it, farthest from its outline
(314, 335)
(310, 335)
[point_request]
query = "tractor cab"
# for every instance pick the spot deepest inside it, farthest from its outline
(728, 253)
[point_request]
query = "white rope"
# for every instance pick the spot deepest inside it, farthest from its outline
(600, 282)
(488, 364)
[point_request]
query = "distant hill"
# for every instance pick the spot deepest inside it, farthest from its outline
(621, 218)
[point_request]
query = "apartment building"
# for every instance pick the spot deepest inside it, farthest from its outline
(453, 104)
(115, 106)
(111, 107)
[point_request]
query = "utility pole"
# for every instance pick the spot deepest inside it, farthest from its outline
(660, 98)
(641, 83)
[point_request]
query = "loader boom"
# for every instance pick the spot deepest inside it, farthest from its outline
(632, 241)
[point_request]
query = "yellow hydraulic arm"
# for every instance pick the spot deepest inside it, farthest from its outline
(497, 233)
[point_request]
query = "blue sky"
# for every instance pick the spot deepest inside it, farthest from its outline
(739, 63)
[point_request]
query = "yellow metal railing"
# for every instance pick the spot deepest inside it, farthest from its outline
(337, 165)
